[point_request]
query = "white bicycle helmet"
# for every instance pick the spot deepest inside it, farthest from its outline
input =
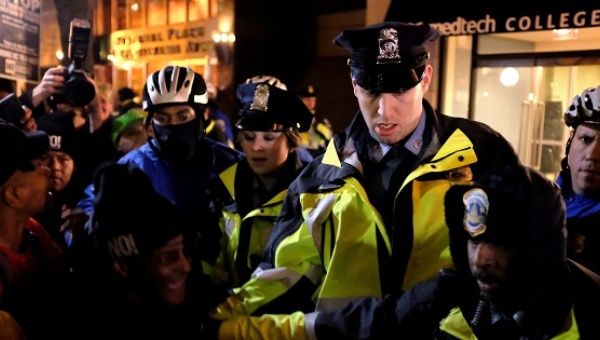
(273, 81)
(174, 85)
(585, 108)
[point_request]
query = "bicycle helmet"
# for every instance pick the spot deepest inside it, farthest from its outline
(585, 108)
(273, 81)
(174, 85)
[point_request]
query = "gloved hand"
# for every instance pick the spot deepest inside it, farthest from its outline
(268, 326)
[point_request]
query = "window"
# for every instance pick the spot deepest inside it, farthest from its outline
(177, 11)
(198, 10)
(135, 13)
(157, 12)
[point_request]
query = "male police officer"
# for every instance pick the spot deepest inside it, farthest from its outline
(512, 280)
(367, 218)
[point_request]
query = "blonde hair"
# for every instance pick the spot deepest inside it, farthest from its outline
(105, 91)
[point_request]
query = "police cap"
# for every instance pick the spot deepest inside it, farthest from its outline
(266, 107)
(389, 56)
(307, 91)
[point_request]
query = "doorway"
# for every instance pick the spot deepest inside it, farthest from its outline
(524, 94)
(526, 105)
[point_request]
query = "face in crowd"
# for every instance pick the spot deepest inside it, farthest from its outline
(265, 151)
(29, 189)
(103, 103)
(61, 167)
(310, 102)
(176, 128)
(391, 117)
(491, 265)
(132, 137)
(584, 159)
(169, 267)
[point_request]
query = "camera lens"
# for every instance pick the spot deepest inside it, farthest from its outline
(79, 91)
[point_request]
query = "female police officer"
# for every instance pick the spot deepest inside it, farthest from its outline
(253, 189)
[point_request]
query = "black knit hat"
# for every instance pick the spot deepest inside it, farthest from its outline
(267, 107)
(130, 218)
(518, 208)
(7, 85)
(18, 149)
(389, 56)
(61, 132)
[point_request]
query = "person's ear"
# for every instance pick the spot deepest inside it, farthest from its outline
(10, 195)
(355, 88)
(121, 269)
(427, 76)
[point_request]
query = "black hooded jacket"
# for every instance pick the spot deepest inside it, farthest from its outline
(554, 286)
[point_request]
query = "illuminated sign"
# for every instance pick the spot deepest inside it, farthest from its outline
(499, 16)
(190, 40)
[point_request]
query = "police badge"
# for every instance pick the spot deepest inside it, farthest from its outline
(476, 210)
(261, 98)
(389, 51)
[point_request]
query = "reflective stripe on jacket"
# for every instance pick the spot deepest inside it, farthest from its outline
(260, 220)
(330, 234)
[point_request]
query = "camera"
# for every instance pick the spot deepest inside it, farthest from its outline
(11, 110)
(77, 91)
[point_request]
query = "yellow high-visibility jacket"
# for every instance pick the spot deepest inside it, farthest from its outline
(330, 244)
(245, 237)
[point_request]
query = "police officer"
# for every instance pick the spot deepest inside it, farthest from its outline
(252, 190)
(319, 134)
(579, 178)
(366, 218)
(512, 280)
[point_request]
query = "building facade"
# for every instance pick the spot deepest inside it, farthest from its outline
(133, 38)
(516, 67)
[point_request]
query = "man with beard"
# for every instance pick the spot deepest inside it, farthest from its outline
(178, 159)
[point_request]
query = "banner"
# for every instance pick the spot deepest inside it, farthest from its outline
(20, 38)
(190, 40)
(484, 17)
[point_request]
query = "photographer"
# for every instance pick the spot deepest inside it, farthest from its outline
(69, 85)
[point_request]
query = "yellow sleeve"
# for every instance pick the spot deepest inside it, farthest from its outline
(268, 326)
(229, 308)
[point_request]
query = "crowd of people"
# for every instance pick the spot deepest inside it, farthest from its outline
(166, 219)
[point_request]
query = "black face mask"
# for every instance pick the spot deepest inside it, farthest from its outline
(177, 143)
